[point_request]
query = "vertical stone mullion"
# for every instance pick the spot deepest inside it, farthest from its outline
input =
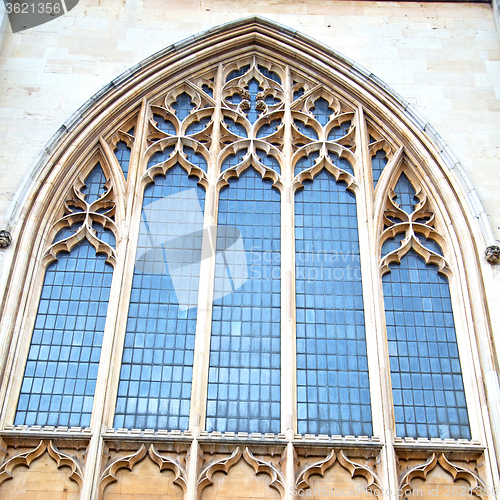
(378, 368)
(109, 366)
(205, 297)
(288, 336)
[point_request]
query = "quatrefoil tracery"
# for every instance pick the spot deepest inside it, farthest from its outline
(82, 218)
(413, 228)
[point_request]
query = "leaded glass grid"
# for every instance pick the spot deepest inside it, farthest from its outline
(155, 380)
(333, 395)
(427, 385)
(61, 369)
(244, 374)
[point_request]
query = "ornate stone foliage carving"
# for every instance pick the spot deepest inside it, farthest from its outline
(492, 254)
(5, 238)
(416, 227)
(477, 486)
(319, 467)
(26, 458)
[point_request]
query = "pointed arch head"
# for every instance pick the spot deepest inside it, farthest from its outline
(246, 43)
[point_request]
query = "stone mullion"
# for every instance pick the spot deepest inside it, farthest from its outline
(288, 318)
(376, 337)
(111, 354)
(201, 360)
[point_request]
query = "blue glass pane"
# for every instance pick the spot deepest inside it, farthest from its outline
(244, 375)
(392, 243)
(131, 131)
(237, 72)
(207, 90)
(66, 232)
(160, 156)
(306, 162)
(333, 395)
(340, 131)
(195, 158)
(164, 125)
(306, 130)
(122, 153)
(298, 93)
(427, 386)
(405, 194)
(379, 161)
(321, 111)
(233, 160)
(268, 160)
(196, 127)
(270, 74)
(94, 185)
(61, 369)
(104, 234)
(235, 128)
(342, 163)
(183, 106)
(155, 380)
(269, 129)
(430, 244)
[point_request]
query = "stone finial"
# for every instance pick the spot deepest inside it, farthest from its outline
(5, 238)
(492, 254)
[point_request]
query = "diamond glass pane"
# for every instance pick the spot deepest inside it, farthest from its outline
(333, 395)
(196, 127)
(244, 374)
(122, 153)
(379, 161)
(427, 386)
(269, 128)
(61, 370)
(155, 381)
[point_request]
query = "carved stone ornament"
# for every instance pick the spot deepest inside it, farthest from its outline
(477, 487)
(129, 461)
(28, 457)
(5, 238)
(492, 254)
(374, 485)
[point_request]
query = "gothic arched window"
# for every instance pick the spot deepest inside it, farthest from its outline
(252, 248)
